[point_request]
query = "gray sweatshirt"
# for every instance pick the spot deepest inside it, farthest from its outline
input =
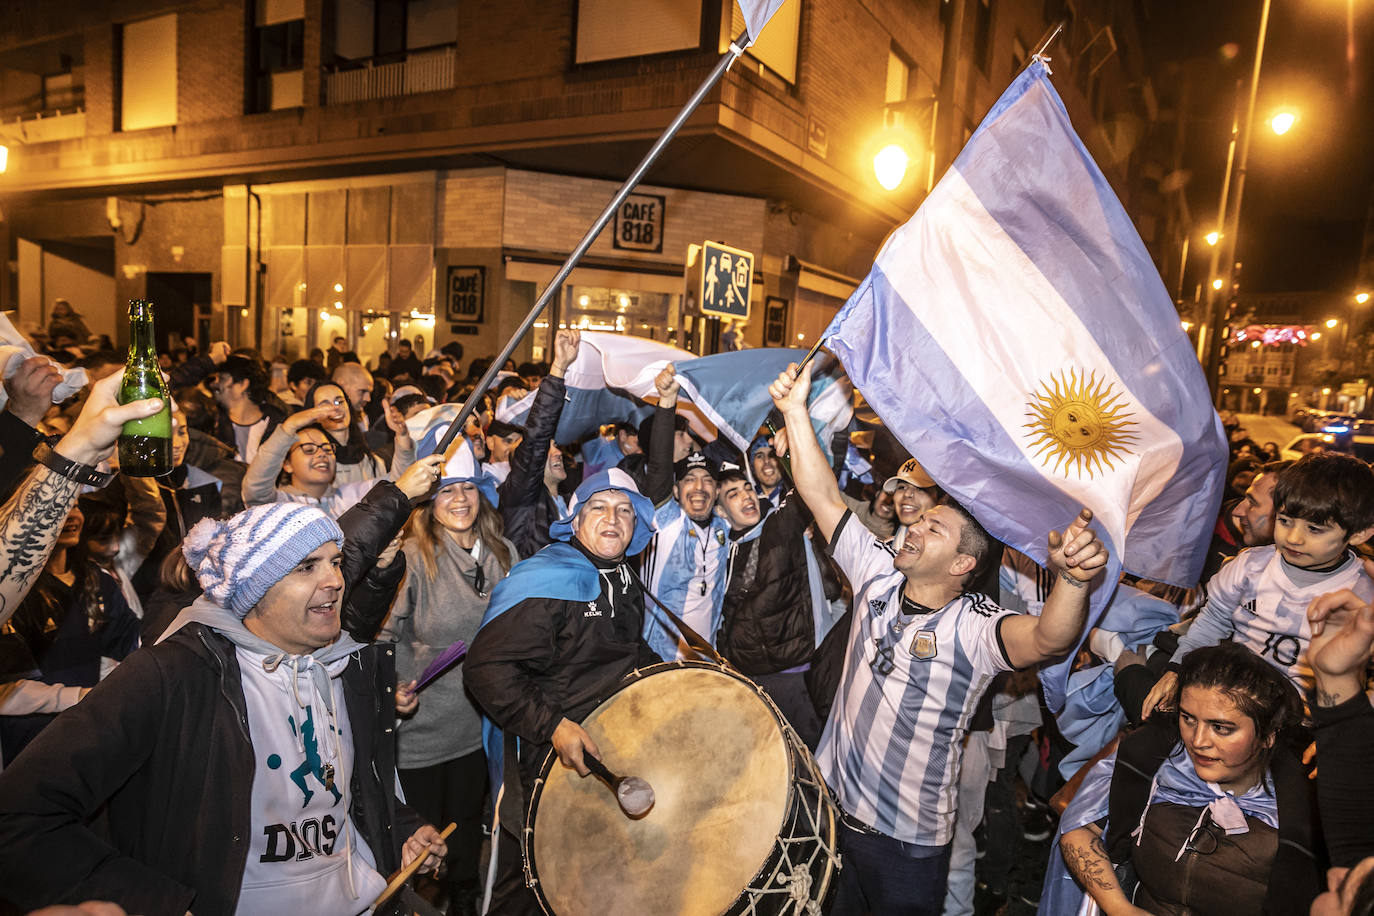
(426, 618)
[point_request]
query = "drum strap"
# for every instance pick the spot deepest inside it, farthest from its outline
(691, 637)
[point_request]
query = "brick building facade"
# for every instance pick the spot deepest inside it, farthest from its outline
(284, 171)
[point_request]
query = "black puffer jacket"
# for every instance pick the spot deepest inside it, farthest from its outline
(1294, 875)
(162, 745)
(369, 526)
(526, 505)
(766, 621)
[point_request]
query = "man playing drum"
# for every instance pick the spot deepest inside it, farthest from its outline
(560, 633)
(921, 652)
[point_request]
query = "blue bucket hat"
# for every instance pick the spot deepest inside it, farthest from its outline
(462, 464)
(610, 479)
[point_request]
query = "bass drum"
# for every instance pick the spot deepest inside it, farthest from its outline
(741, 823)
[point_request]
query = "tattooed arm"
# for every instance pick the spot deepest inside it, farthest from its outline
(32, 517)
(1087, 860)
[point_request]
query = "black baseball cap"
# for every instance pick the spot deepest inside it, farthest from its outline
(693, 461)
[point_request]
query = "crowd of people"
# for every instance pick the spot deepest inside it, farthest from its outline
(232, 689)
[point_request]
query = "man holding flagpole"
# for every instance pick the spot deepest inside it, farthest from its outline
(921, 653)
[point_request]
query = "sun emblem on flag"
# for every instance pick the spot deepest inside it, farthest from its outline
(1080, 423)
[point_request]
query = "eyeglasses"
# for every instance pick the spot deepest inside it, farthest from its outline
(310, 448)
(1203, 838)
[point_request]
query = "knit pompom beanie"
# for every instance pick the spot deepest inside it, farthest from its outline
(238, 559)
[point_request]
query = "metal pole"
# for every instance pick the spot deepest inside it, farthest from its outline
(1233, 228)
(736, 49)
(1211, 340)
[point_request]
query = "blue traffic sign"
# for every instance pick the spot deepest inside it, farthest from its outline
(726, 275)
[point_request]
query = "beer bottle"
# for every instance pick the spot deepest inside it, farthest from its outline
(145, 446)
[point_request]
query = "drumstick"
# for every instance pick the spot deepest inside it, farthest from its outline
(407, 872)
(634, 795)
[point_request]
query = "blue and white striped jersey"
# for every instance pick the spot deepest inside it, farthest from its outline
(894, 739)
(1260, 601)
(684, 567)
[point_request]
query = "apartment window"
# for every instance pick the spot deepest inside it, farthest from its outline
(611, 29)
(385, 30)
(1019, 56)
(898, 78)
(776, 48)
(982, 34)
(147, 70)
(278, 54)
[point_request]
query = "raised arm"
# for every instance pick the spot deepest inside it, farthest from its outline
(1076, 557)
(811, 473)
(524, 485)
(658, 470)
(1342, 638)
(31, 519)
(1087, 859)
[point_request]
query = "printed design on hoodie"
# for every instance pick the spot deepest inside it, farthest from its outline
(313, 764)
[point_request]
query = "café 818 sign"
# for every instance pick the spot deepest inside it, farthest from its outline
(639, 223)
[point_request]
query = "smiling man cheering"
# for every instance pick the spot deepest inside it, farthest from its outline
(560, 632)
(244, 764)
(921, 652)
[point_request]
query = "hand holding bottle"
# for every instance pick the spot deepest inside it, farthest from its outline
(102, 419)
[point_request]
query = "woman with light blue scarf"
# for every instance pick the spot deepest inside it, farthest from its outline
(455, 555)
(1206, 809)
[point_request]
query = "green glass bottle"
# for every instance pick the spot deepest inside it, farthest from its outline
(145, 446)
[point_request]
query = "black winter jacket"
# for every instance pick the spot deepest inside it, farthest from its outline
(1294, 877)
(766, 623)
(369, 526)
(17, 441)
(163, 745)
(526, 505)
(547, 659)
(1345, 781)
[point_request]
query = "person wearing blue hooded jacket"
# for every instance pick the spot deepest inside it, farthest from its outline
(560, 633)
(684, 566)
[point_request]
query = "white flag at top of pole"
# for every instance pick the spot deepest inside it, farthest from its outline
(757, 13)
(1015, 336)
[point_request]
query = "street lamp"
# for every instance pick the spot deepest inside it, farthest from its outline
(1218, 283)
(1361, 298)
(1213, 237)
(1282, 122)
(889, 166)
(1332, 322)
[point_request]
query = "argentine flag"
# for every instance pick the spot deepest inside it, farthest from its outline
(608, 382)
(731, 390)
(1016, 338)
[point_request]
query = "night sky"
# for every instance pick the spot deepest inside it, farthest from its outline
(1307, 192)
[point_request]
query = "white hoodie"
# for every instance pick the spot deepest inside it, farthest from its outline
(306, 856)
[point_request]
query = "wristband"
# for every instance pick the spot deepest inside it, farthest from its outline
(72, 470)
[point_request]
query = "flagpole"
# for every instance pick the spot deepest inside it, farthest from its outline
(1054, 33)
(736, 49)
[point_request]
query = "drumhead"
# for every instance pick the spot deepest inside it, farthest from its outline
(715, 755)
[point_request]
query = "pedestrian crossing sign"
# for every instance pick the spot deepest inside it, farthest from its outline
(726, 277)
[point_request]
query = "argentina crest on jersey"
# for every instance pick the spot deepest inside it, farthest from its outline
(924, 646)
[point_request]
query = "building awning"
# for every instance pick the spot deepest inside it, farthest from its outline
(821, 280)
(648, 277)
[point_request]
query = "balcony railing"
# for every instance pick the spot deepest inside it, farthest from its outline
(420, 71)
(44, 127)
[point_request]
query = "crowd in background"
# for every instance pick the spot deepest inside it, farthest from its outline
(1238, 707)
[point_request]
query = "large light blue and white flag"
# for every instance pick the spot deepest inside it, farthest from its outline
(1016, 338)
(731, 390)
